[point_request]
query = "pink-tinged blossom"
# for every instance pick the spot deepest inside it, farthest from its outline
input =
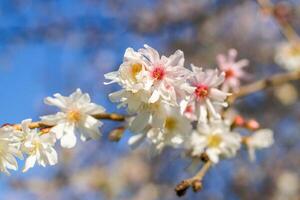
(147, 78)
(167, 74)
(205, 96)
(234, 70)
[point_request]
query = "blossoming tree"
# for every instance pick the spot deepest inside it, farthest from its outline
(168, 103)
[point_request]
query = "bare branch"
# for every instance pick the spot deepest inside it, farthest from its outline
(195, 182)
(265, 83)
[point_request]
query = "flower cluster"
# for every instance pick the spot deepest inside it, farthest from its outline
(172, 105)
(76, 116)
(168, 104)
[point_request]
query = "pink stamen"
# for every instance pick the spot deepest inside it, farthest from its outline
(201, 92)
(229, 73)
(158, 73)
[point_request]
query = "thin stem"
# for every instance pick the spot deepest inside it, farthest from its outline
(103, 116)
(195, 182)
(199, 176)
(110, 116)
(265, 83)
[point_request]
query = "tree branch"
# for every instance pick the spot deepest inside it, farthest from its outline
(263, 84)
(195, 182)
(103, 116)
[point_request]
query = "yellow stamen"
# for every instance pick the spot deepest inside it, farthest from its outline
(74, 116)
(214, 140)
(170, 123)
(136, 68)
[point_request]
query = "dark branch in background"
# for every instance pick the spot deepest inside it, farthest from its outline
(274, 80)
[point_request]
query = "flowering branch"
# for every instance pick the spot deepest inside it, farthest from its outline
(164, 100)
(42, 125)
(265, 83)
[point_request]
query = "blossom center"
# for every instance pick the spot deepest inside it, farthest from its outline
(201, 91)
(135, 69)
(229, 73)
(214, 141)
(74, 116)
(158, 73)
(170, 123)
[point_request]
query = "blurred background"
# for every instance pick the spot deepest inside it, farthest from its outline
(49, 46)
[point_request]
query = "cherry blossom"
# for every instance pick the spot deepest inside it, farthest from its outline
(263, 138)
(76, 116)
(215, 139)
(204, 94)
(169, 129)
(38, 146)
(234, 70)
(9, 149)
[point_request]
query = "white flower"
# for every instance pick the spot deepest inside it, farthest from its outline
(288, 56)
(215, 139)
(38, 146)
(233, 70)
(167, 74)
(262, 138)
(131, 74)
(9, 149)
(147, 77)
(134, 101)
(204, 93)
(76, 116)
(170, 128)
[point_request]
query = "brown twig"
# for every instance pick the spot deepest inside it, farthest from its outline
(265, 83)
(41, 125)
(195, 182)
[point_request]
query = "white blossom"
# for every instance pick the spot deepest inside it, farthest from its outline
(288, 56)
(76, 115)
(215, 139)
(38, 147)
(234, 70)
(170, 128)
(204, 93)
(262, 138)
(134, 102)
(146, 78)
(167, 74)
(9, 149)
(131, 75)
